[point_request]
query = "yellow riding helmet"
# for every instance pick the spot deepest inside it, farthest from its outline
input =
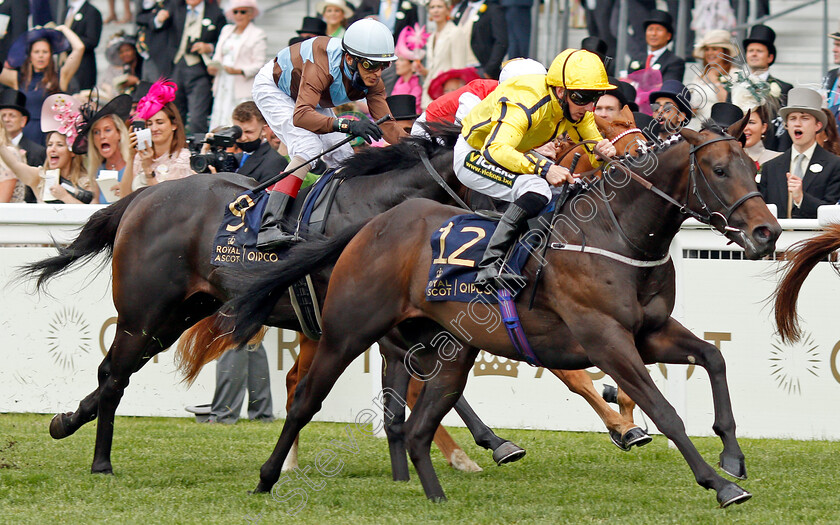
(578, 69)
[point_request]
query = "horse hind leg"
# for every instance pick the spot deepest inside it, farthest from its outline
(66, 424)
(623, 432)
(504, 451)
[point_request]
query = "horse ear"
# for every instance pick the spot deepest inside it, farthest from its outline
(737, 129)
(693, 137)
(627, 114)
(601, 123)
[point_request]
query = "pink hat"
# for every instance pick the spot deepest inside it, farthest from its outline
(411, 44)
(60, 112)
(160, 94)
(233, 4)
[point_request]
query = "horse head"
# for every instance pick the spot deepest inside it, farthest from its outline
(723, 192)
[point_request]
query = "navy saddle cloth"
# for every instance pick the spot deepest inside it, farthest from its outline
(236, 239)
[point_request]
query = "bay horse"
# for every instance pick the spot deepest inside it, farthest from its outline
(160, 240)
(802, 258)
(622, 430)
(609, 307)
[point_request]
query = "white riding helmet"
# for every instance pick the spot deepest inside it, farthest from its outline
(521, 66)
(369, 39)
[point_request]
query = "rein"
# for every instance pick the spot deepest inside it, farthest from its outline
(421, 151)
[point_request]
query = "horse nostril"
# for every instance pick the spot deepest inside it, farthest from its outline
(763, 234)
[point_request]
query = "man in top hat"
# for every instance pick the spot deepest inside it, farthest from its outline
(310, 28)
(671, 107)
(760, 54)
(193, 28)
(659, 30)
(86, 21)
(600, 48)
(404, 110)
(14, 115)
(832, 79)
(805, 175)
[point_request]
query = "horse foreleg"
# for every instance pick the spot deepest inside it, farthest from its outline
(623, 432)
(454, 454)
(504, 451)
(436, 399)
(63, 425)
(396, 378)
(675, 344)
(612, 349)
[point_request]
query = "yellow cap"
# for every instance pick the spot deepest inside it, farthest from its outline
(578, 69)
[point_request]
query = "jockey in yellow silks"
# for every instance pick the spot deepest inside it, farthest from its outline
(493, 154)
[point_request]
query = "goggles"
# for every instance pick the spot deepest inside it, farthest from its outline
(370, 65)
(584, 97)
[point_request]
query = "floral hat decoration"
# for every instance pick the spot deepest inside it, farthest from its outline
(160, 94)
(60, 112)
(411, 44)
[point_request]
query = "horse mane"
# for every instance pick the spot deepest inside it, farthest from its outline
(402, 155)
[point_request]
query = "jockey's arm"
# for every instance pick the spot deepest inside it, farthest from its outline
(313, 84)
(501, 144)
(588, 130)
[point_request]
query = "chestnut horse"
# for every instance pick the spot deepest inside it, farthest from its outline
(607, 306)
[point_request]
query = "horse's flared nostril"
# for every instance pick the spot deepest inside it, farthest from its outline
(766, 234)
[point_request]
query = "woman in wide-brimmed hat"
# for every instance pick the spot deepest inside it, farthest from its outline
(717, 53)
(33, 71)
(336, 13)
(240, 53)
(126, 65)
(70, 185)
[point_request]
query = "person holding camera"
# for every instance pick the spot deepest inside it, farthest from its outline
(159, 148)
(258, 159)
(296, 93)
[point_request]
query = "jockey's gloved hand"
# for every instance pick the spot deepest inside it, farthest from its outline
(364, 128)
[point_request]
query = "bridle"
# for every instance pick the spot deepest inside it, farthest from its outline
(718, 220)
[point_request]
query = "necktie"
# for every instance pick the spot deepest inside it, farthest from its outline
(647, 62)
(389, 8)
(465, 17)
(799, 171)
(244, 158)
(68, 21)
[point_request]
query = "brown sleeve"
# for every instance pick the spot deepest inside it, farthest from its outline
(314, 81)
(378, 107)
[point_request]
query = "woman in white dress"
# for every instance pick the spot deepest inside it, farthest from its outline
(447, 48)
(717, 52)
(240, 53)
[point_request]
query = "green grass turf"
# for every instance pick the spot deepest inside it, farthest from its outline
(177, 471)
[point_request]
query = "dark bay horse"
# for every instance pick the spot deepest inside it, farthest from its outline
(802, 258)
(610, 309)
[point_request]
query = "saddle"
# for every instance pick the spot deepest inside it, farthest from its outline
(235, 241)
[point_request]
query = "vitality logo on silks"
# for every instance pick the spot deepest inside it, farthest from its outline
(476, 163)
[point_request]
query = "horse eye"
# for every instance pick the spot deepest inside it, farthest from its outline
(720, 172)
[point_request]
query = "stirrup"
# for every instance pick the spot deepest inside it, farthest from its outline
(277, 239)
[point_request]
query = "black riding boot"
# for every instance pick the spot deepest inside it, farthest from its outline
(491, 269)
(271, 233)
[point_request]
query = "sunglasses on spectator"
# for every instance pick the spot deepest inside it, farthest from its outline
(240, 11)
(665, 107)
(584, 97)
(370, 65)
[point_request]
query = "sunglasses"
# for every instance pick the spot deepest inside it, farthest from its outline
(240, 11)
(584, 97)
(665, 107)
(370, 65)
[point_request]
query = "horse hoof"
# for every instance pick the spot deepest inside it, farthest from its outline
(437, 499)
(58, 426)
(730, 494)
(261, 489)
(733, 466)
(616, 439)
(508, 452)
(461, 461)
(635, 437)
(102, 470)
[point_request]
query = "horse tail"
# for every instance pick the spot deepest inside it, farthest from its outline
(244, 314)
(97, 235)
(806, 255)
(201, 344)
